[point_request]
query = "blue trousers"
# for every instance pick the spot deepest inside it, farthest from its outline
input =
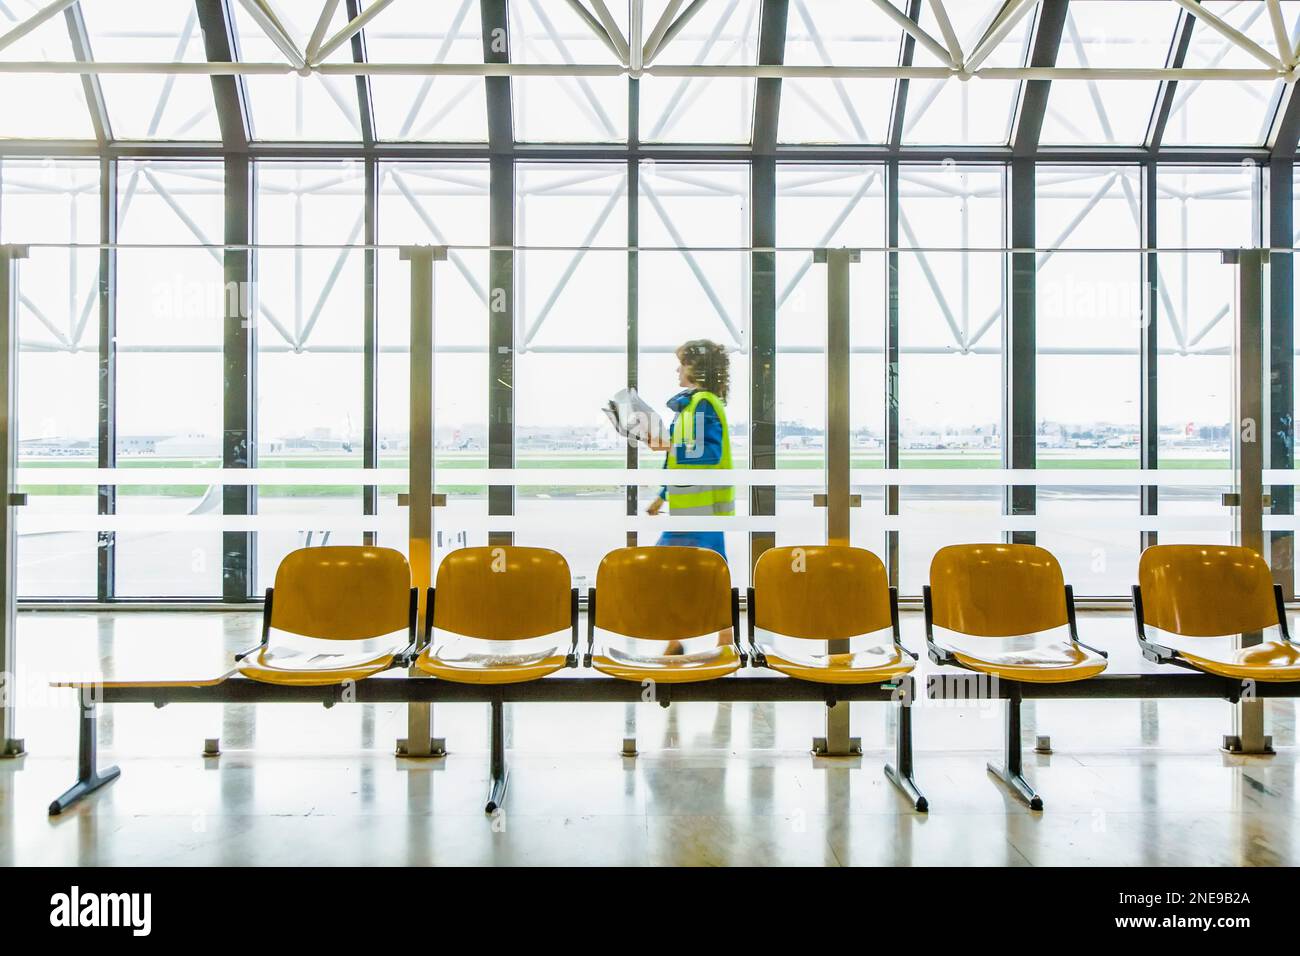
(713, 540)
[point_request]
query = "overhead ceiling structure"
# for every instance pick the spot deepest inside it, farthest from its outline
(1133, 74)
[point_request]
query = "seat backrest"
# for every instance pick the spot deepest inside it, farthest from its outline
(503, 593)
(663, 593)
(997, 590)
(822, 592)
(1206, 590)
(342, 592)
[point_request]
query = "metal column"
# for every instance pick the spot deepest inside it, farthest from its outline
(419, 740)
(10, 744)
(762, 347)
(1249, 440)
(1019, 442)
(239, 372)
(106, 446)
(839, 500)
(1279, 451)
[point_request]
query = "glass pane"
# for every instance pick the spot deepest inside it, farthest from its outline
(1089, 319)
(170, 323)
(691, 291)
(1109, 35)
(703, 109)
(310, 344)
(143, 106)
(436, 204)
(573, 358)
(1205, 208)
(552, 109)
(818, 207)
(43, 201)
(292, 107)
(941, 111)
(849, 110)
(951, 306)
(60, 112)
(428, 108)
(1214, 112)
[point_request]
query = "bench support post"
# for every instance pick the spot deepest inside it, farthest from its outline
(900, 772)
(1250, 412)
(500, 773)
(1010, 772)
(89, 777)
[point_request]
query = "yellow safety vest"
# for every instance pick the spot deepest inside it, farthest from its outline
(700, 499)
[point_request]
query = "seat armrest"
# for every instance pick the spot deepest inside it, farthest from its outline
(735, 627)
(1156, 653)
(757, 657)
(940, 655)
(897, 628)
(267, 603)
(1074, 624)
(571, 659)
(1280, 599)
(403, 657)
(591, 626)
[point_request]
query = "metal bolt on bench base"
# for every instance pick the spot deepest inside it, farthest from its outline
(13, 747)
(212, 746)
(822, 749)
(437, 748)
(1042, 744)
(1232, 745)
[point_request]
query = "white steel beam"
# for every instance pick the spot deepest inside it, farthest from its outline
(949, 34)
(1284, 47)
(265, 17)
(611, 27)
(660, 28)
(34, 21)
(322, 26)
(735, 71)
(352, 29)
(614, 47)
(636, 24)
(1010, 14)
(1235, 36)
(911, 27)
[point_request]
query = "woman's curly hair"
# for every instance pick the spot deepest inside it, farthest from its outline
(708, 364)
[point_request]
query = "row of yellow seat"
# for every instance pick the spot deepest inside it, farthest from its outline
(505, 594)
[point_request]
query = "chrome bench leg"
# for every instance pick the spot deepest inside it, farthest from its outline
(1010, 772)
(500, 773)
(900, 773)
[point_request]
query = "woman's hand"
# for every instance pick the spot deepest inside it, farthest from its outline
(655, 506)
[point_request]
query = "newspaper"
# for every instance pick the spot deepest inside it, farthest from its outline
(633, 418)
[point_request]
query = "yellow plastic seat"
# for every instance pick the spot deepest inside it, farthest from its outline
(989, 591)
(342, 593)
(1207, 591)
(823, 593)
(499, 596)
(1004, 591)
(664, 594)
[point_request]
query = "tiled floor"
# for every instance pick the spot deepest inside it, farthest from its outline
(1129, 782)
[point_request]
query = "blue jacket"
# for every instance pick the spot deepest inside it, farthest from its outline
(707, 424)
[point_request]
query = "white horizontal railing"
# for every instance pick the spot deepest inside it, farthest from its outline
(35, 476)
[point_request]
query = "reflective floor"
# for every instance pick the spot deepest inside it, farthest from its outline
(1129, 782)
